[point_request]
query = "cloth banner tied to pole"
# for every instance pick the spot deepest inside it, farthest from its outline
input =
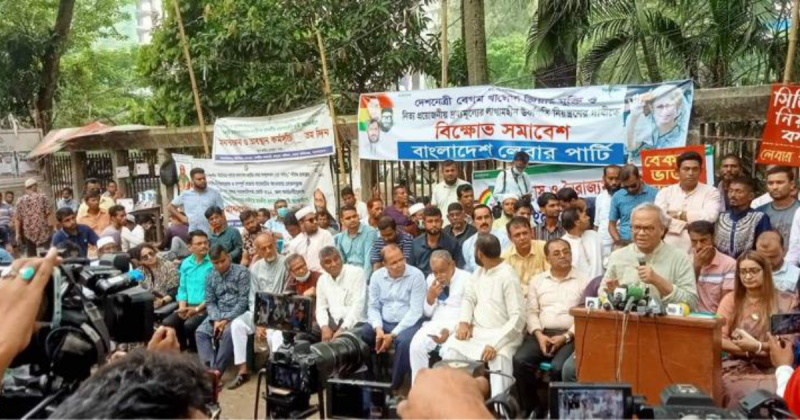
(781, 139)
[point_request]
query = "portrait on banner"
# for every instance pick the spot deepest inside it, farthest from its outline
(657, 117)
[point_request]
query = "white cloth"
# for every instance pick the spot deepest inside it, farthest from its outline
(493, 303)
(361, 208)
(761, 200)
(793, 254)
(309, 247)
(443, 195)
(345, 297)
(443, 314)
(507, 183)
(587, 253)
(241, 328)
(602, 206)
(782, 376)
(131, 238)
(501, 362)
(702, 203)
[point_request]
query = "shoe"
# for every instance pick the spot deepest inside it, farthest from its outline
(240, 380)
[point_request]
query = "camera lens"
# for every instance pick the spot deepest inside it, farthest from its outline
(343, 355)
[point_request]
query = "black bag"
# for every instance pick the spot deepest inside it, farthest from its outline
(169, 173)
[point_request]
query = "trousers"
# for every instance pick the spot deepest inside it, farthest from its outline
(185, 329)
(499, 384)
(218, 358)
(419, 352)
(526, 365)
(401, 364)
(241, 329)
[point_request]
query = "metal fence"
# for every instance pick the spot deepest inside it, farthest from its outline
(140, 183)
(59, 168)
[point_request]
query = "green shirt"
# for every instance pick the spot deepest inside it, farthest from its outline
(192, 287)
(667, 261)
(231, 240)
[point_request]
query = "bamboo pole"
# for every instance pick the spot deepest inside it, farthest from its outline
(444, 43)
(188, 56)
(327, 88)
(787, 71)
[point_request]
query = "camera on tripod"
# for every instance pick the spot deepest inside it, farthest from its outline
(84, 309)
(298, 369)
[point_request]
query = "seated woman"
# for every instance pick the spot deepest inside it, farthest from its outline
(160, 276)
(746, 314)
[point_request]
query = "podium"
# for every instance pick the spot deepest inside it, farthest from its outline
(657, 351)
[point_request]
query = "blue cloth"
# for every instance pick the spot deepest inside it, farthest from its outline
(405, 242)
(468, 249)
(276, 226)
(83, 238)
(5, 257)
(397, 300)
(421, 251)
(623, 203)
(356, 250)
(195, 205)
(68, 203)
(192, 288)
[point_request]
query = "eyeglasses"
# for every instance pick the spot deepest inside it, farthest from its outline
(747, 272)
(645, 229)
(148, 256)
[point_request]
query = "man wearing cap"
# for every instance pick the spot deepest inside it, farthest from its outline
(508, 201)
(311, 240)
(514, 180)
(132, 234)
(417, 225)
(31, 218)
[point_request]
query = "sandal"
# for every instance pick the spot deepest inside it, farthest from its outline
(240, 380)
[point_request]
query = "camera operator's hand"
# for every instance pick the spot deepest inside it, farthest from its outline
(489, 353)
(464, 331)
(164, 339)
(781, 351)
(327, 334)
(19, 303)
(463, 397)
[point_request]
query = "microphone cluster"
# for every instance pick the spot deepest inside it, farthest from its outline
(628, 298)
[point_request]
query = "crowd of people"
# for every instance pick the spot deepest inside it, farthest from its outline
(454, 279)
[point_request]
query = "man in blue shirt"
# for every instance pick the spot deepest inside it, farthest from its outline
(355, 240)
(483, 222)
(195, 202)
(433, 238)
(191, 291)
(80, 235)
(633, 191)
(394, 310)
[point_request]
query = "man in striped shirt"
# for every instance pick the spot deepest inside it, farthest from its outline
(714, 270)
(389, 234)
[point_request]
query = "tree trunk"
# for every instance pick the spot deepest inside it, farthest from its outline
(475, 42)
(650, 61)
(561, 73)
(51, 64)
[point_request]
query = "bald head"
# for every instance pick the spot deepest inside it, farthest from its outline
(266, 247)
(394, 261)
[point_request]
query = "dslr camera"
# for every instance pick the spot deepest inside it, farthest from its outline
(85, 311)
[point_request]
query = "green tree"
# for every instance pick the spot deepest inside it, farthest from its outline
(260, 57)
(555, 33)
(507, 67)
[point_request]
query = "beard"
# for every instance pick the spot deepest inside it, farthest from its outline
(434, 231)
(611, 189)
(453, 182)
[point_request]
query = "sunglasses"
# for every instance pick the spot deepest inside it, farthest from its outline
(147, 256)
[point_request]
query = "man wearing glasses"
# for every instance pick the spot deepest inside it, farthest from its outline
(442, 305)
(310, 242)
(632, 193)
(649, 262)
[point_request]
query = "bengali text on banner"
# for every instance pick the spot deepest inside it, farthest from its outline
(781, 140)
(660, 167)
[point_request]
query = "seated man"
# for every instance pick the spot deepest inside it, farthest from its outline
(227, 289)
(458, 228)
(433, 239)
(302, 281)
(389, 234)
(311, 240)
(525, 255)
(648, 261)
(551, 327)
(80, 235)
(341, 295)
(715, 271)
(483, 220)
(492, 314)
(442, 305)
(222, 234)
(191, 291)
(268, 274)
(394, 310)
(784, 275)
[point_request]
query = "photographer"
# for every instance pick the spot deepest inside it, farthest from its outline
(227, 289)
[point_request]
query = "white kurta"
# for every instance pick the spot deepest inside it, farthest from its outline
(309, 247)
(587, 253)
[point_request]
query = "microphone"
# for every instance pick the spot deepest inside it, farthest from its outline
(619, 296)
(635, 293)
(642, 259)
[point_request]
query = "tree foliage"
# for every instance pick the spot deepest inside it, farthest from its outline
(260, 57)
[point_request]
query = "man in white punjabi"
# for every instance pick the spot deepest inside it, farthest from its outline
(551, 294)
(587, 249)
(227, 289)
(341, 295)
(492, 315)
(311, 240)
(442, 305)
(268, 274)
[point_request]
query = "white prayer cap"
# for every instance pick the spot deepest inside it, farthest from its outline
(505, 197)
(105, 240)
(415, 208)
(305, 211)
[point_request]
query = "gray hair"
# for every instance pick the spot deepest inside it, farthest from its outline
(292, 258)
(328, 251)
(442, 254)
(662, 217)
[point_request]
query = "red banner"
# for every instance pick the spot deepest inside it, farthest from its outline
(781, 140)
(660, 166)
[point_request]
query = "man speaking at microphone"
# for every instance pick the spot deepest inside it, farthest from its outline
(665, 270)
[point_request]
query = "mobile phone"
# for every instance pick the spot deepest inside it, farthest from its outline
(784, 324)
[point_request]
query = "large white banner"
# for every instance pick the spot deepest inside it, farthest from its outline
(251, 186)
(594, 125)
(302, 134)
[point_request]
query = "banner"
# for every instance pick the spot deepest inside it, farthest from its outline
(245, 186)
(302, 134)
(781, 139)
(595, 125)
(587, 182)
(659, 167)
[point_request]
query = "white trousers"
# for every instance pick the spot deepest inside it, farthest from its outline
(502, 363)
(241, 328)
(421, 346)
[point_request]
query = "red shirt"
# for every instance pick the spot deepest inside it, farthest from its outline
(300, 288)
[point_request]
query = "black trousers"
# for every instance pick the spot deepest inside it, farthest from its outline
(185, 329)
(526, 365)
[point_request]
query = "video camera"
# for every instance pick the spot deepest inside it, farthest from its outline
(615, 401)
(84, 309)
(299, 369)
